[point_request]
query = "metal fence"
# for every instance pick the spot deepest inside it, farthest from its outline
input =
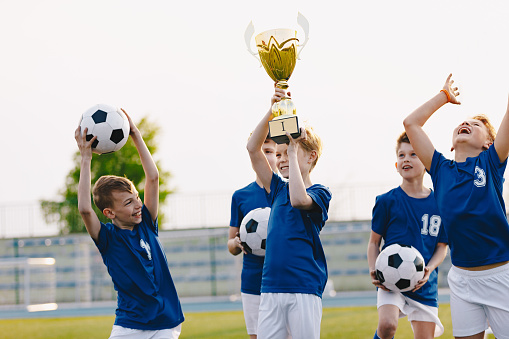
(212, 210)
(185, 211)
(195, 245)
(199, 262)
(200, 210)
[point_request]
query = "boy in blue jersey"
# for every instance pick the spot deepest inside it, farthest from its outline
(147, 302)
(468, 190)
(408, 215)
(245, 200)
(295, 269)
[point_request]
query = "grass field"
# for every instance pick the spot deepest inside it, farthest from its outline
(348, 322)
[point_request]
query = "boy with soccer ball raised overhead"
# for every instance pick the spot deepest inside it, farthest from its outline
(147, 302)
(295, 269)
(245, 200)
(408, 215)
(469, 196)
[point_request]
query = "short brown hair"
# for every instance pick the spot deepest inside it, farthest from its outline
(312, 143)
(403, 138)
(491, 130)
(107, 184)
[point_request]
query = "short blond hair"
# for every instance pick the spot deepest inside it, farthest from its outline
(403, 138)
(105, 185)
(312, 143)
(492, 133)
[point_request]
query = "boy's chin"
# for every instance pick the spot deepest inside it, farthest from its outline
(412, 174)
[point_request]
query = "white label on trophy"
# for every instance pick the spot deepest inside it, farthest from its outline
(280, 126)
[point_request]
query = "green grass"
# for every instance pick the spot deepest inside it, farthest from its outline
(347, 322)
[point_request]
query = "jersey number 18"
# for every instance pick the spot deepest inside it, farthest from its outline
(431, 225)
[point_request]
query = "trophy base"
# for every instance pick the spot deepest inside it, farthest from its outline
(282, 124)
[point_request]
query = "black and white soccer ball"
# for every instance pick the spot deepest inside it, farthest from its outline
(253, 231)
(109, 124)
(399, 267)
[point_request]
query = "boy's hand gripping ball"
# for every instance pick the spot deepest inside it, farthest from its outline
(399, 267)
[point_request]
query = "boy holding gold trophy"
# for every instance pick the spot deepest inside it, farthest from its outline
(295, 269)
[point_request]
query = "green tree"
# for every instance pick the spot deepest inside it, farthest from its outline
(125, 162)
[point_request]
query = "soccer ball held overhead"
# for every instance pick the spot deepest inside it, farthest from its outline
(109, 124)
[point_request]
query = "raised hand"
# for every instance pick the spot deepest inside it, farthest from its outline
(293, 146)
(84, 146)
(132, 126)
(279, 94)
(451, 92)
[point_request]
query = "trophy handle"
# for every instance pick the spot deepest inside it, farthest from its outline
(248, 35)
(304, 23)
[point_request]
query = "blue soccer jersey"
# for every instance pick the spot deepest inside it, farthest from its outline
(469, 196)
(146, 296)
(245, 200)
(294, 257)
(401, 219)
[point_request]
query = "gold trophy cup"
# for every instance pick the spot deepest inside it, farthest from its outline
(277, 50)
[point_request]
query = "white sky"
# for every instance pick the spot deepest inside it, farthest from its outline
(184, 64)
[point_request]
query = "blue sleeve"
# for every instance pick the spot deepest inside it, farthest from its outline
(442, 235)
(380, 217)
(105, 235)
(236, 215)
(147, 220)
(436, 161)
(496, 166)
(276, 184)
(321, 196)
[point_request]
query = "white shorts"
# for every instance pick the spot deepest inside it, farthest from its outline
(251, 306)
(294, 315)
(119, 332)
(478, 297)
(414, 310)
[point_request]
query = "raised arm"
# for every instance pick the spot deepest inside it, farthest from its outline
(299, 198)
(255, 143)
(151, 198)
(502, 139)
(92, 223)
(416, 120)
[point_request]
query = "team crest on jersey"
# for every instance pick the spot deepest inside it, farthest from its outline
(146, 247)
(480, 177)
